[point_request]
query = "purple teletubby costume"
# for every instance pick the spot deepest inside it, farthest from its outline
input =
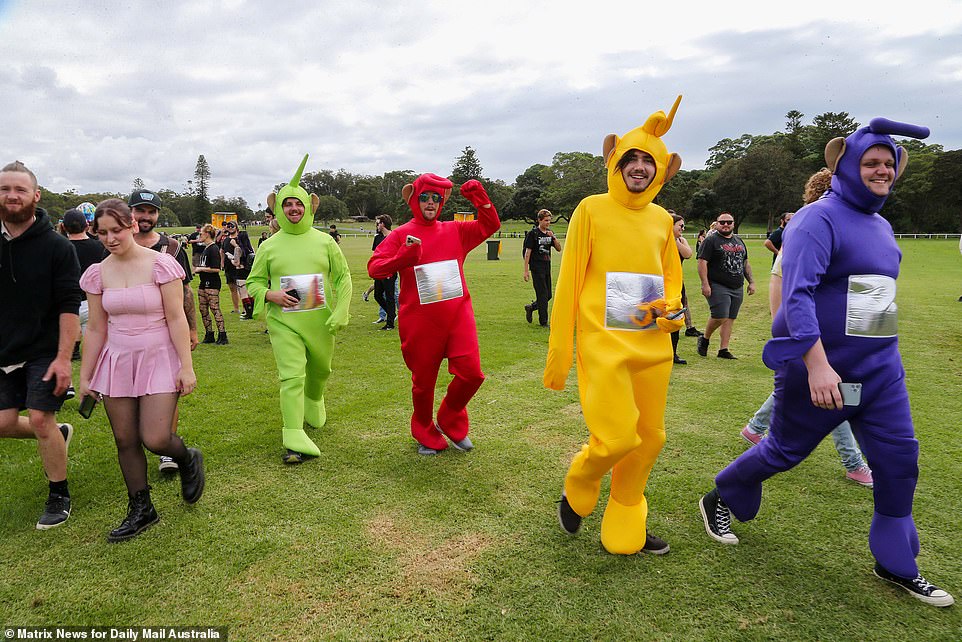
(840, 264)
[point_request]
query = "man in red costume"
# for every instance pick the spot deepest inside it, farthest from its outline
(435, 305)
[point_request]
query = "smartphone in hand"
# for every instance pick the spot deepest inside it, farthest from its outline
(87, 405)
(851, 393)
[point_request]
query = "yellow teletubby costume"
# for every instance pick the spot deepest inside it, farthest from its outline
(621, 280)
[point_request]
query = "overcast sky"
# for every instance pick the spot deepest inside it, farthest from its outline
(95, 94)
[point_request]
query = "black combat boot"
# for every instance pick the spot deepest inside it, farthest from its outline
(209, 337)
(222, 339)
(140, 515)
(192, 476)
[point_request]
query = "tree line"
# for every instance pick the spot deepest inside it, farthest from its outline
(755, 177)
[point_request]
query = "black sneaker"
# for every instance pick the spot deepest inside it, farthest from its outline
(292, 457)
(71, 392)
(717, 517)
(679, 360)
(55, 513)
(919, 587)
(655, 545)
(67, 431)
(570, 520)
(725, 354)
(692, 332)
(703, 346)
(528, 313)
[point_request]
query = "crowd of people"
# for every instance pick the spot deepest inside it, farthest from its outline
(620, 306)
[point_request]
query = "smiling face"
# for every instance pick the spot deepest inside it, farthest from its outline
(18, 197)
(430, 203)
(638, 169)
(293, 209)
(146, 217)
(679, 227)
(877, 170)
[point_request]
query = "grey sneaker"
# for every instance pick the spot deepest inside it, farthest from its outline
(424, 450)
(55, 513)
(717, 517)
(167, 464)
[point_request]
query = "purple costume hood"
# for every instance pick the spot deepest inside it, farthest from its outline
(846, 178)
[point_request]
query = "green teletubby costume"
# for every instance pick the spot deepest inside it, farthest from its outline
(302, 339)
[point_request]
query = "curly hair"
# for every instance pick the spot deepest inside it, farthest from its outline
(816, 185)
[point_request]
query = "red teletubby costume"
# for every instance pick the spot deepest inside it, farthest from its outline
(435, 305)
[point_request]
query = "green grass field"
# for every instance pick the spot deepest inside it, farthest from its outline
(372, 541)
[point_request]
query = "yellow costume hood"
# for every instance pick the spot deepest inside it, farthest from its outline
(646, 138)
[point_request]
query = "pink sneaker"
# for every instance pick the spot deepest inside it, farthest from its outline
(861, 475)
(751, 437)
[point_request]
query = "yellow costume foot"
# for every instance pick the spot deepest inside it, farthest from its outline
(623, 527)
(298, 441)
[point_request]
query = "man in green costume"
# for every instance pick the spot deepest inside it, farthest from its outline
(302, 280)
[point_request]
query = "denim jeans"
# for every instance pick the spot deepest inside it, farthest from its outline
(842, 435)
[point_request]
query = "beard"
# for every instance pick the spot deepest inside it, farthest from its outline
(144, 226)
(22, 215)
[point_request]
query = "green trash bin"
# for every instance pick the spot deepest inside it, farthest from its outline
(494, 250)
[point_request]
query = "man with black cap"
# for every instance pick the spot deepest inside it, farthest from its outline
(89, 251)
(40, 291)
(145, 208)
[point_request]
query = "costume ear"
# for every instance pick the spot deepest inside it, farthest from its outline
(903, 162)
(315, 201)
(446, 194)
(674, 164)
(833, 152)
(611, 141)
(406, 192)
(270, 200)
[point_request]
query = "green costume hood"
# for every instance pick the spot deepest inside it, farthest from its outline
(294, 190)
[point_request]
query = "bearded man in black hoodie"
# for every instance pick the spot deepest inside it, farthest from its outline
(39, 323)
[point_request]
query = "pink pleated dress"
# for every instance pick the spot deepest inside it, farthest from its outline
(138, 357)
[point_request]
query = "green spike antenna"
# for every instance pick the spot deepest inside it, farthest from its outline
(300, 170)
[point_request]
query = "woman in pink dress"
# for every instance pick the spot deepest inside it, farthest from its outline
(137, 357)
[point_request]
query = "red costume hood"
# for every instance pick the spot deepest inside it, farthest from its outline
(426, 183)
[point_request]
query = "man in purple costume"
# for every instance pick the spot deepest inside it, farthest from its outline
(838, 323)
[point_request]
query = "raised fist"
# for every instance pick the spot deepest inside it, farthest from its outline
(473, 190)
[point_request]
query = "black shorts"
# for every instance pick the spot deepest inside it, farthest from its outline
(24, 388)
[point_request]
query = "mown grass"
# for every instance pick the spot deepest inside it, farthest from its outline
(372, 541)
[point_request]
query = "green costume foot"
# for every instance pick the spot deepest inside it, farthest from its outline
(315, 414)
(298, 441)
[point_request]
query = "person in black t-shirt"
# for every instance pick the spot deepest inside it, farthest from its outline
(723, 267)
(774, 241)
(384, 288)
(207, 267)
(89, 251)
(537, 261)
(145, 208)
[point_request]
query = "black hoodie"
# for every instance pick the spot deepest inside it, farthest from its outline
(39, 280)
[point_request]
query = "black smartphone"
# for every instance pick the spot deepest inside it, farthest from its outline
(294, 293)
(87, 405)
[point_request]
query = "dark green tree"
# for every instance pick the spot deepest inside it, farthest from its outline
(202, 207)
(571, 177)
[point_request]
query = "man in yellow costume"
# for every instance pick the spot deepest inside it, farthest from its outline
(624, 292)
